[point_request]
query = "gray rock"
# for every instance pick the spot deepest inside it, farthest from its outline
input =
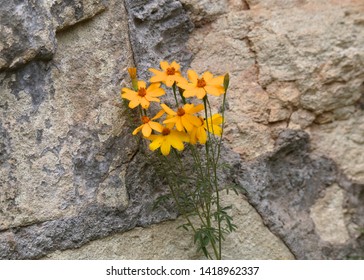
(27, 28)
(26, 33)
(284, 187)
(158, 31)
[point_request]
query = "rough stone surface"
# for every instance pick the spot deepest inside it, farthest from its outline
(279, 66)
(343, 141)
(330, 205)
(288, 184)
(252, 240)
(158, 30)
(27, 29)
(67, 13)
(25, 33)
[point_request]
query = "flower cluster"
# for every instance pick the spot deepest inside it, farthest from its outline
(183, 124)
(194, 184)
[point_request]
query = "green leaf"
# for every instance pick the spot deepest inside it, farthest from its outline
(161, 200)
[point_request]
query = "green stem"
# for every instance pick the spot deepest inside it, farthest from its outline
(207, 223)
(174, 93)
(181, 94)
(182, 210)
(222, 126)
(214, 186)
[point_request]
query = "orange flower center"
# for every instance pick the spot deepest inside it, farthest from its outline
(180, 112)
(166, 131)
(145, 119)
(201, 82)
(171, 71)
(142, 92)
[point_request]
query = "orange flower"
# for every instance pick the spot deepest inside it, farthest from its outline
(170, 74)
(167, 139)
(200, 86)
(199, 133)
(143, 95)
(149, 125)
(183, 118)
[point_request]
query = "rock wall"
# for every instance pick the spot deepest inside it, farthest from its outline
(72, 173)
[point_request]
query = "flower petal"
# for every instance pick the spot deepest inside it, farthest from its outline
(129, 95)
(207, 76)
(183, 83)
(189, 93)
(213, 90)
(193, 120)
(137, 129)
(217, 81)
(134, 103)
(215, 130)
(141, 84)
(157, 142)
(144, 103)
(181, 135)
(179, 124)
(155, 71)
(153, 87)
(158, 78)
(175, 65)
(164, 65)
(168, 110)
(201, 135)
(156, 126)
(186, 123)
(217, 119)
(154, 99)
(200, 93)
(147, 131)
(196, 109)
(170, 81)
(193, 137)
(158, 115)
(169, 125)
(165, 148)
(175, 142)
(192, 76)
(171, 120)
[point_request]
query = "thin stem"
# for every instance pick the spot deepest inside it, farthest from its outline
(222, 126)
(174, 93)
(184, 214)
(181, 94)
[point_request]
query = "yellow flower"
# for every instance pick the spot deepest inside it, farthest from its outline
(183, 118)
(143, 95)
(170, 74)
(169, 137)
(200, 86)
(148, 125)
(199, 133)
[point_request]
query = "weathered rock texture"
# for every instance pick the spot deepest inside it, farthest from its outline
(70, 171)
(252, 240)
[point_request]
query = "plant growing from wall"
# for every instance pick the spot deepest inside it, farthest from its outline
(186, 136)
